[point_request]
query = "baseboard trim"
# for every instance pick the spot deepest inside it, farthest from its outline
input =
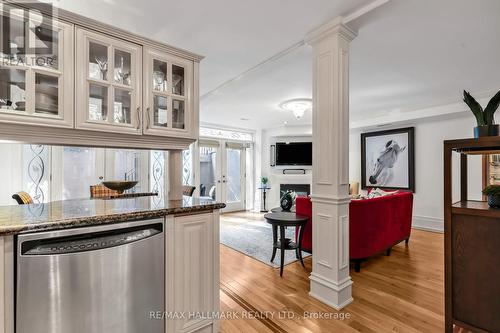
(428, 223)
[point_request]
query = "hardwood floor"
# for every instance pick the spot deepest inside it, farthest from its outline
(400, 293)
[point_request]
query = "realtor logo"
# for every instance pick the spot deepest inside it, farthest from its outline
(28, 36)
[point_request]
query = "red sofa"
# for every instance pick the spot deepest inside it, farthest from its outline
(375, 225)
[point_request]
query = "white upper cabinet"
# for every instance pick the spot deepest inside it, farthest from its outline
(36, 69)
(108, 83)
(168, 95)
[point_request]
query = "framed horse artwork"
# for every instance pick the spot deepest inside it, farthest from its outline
(388, 159)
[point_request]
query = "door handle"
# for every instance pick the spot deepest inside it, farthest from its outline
(223, 181)
(148, 117)
(138, 117)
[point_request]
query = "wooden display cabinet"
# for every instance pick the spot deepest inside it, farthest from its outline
(472, 246)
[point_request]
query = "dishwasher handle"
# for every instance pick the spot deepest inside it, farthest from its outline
(89, 241)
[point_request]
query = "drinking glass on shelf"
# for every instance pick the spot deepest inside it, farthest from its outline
(159, 80)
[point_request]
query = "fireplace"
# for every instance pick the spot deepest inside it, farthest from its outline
(300, 189)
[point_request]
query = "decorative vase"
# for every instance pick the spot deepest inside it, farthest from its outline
(486, 130)
(286, 201)
(494, 201)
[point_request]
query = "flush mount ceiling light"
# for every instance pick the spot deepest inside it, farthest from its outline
(297, 106)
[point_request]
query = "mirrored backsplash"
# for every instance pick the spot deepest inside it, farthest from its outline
(51, 173)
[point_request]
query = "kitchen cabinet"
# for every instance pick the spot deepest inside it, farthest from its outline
(108, 83)
(192, 272)
(36, 69)
(168, 94)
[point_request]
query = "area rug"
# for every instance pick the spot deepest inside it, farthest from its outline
(255, 239)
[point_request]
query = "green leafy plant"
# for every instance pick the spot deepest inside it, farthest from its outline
(264, 180)
(484, 117)
(492, 190)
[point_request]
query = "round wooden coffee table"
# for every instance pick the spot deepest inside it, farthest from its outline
(283, 220)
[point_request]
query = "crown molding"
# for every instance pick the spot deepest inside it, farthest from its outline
(333, 27)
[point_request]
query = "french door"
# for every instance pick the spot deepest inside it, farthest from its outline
(222, 173)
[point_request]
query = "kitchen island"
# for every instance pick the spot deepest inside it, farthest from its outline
(187, 258)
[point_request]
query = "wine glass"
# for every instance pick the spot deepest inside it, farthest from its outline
(159, 80)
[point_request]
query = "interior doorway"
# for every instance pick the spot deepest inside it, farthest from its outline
(223, 172)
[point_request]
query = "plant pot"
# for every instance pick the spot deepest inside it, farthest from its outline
(486, 130)
(494, 201)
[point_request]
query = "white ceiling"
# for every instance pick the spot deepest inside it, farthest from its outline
(410, 54)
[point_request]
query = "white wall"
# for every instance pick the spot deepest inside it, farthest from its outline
(275, 174)
(429, 137)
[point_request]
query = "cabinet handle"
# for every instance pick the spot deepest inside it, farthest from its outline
(148, 117)
(138, 117)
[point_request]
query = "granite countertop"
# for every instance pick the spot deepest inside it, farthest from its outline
(86, 212)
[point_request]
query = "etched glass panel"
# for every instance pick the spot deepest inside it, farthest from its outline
(36, 174)
(157, 174)
(187, 166)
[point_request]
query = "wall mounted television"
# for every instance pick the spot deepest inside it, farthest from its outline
(294, 153)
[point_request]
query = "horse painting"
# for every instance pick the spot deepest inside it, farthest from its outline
(382, 171)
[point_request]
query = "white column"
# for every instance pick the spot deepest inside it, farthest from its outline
(330, 280)
(175, 174)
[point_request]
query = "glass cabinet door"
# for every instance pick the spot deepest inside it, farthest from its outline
(36, 54)
(166, 82)
(110, 99)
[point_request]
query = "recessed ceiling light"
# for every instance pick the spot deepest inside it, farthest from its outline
(297, 106)
(244, 119)
(285, 122)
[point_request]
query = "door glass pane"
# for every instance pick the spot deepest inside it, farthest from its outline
(121, 112)
(98, 103)
(79, 172)
(13, 34)
(160, 111)
(208, 181)
(98, 61)
(12, 89)
(46, 94)
(233, 175)
(123, 67)
(46, 42)
(177, 80)
(177, 114)
(160, 75)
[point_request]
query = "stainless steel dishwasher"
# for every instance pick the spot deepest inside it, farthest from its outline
(102, 279)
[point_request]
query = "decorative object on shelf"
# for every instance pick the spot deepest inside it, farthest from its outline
(264, 181)
(287, 200)
(388, 158)
(103, 66)
(294, 171)
(120, 185)
(485, 118)
(159, 80)
(493, 193)
(297, 106)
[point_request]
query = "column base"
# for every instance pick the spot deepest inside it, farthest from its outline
(336, 295)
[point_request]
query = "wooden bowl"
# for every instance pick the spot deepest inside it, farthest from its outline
(119, 185)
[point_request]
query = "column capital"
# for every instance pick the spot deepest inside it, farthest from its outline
(331, 28)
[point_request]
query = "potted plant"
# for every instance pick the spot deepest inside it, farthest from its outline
(493, 193)
(485, 118)
(264, 181)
